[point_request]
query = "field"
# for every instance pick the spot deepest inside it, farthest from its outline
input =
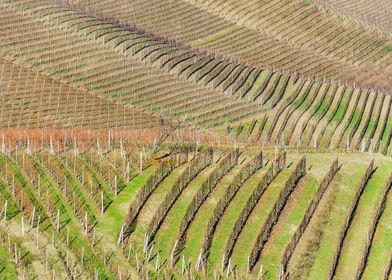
(202, 139)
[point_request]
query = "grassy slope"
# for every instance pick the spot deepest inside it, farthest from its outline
(229, 218)
(372, 121)
(381, 245)
(353, 247)
(249, 233)
(312, 257)
(110, 223)
(198, 227)
(166, 235)
(343, 192)
(292, 216)
(337, 117)
(353, 168)
(153, 202)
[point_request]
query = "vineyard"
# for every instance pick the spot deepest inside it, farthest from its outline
(374, 12)
(195, 139)
(214, 212)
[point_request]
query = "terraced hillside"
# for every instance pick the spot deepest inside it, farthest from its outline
(291, 35)
(44, 102)
(109, 72)
(144, 72)
(374, 12)
(324, 116)
(195, 139)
